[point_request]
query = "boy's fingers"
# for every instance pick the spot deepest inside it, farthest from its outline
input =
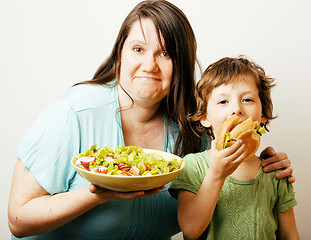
(236, 152)
(213, 145)
(234, 148)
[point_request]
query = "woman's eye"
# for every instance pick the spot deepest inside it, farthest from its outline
(164, 54)
(137, 49)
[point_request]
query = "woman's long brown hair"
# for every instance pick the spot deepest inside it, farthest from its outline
(180, 44)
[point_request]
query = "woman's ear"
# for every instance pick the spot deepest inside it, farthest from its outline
(205, 122)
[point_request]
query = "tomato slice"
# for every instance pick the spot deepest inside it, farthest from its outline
(134, 172)
(123, 166)
(147, 167)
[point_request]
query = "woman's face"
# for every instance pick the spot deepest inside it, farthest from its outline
(146, 69)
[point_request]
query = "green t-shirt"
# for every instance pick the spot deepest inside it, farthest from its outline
(246, 209)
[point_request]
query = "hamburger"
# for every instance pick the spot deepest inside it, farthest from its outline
(232, 130)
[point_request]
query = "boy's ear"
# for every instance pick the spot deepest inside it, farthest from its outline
(263, 119)
(205, 122)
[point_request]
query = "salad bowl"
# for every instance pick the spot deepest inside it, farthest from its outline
(123, 183)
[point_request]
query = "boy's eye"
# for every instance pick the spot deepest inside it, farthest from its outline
(222, 102)
(247, 100)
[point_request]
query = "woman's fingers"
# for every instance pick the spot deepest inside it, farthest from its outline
(277, 157)
(267, 152)
(276, 166)
(279, 161)
(108, 194)
(284, 173)
(291, 179)
(131, 195)
(93, 188)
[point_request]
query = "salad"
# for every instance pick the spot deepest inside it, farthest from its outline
(125, 161)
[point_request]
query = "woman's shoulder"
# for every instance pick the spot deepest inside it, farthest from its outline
(86, 96)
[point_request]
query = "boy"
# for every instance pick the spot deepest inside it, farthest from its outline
(220, 196)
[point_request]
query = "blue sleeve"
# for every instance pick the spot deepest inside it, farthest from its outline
(48, 146)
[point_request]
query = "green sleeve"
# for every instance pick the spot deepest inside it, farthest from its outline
(192, 176)
(286, 196)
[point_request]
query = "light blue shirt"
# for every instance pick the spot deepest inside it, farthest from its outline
(87, 115)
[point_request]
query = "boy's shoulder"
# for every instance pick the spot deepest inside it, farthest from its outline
(197, 159)
(198, 155)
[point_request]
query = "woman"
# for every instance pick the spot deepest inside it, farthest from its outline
(140, 96)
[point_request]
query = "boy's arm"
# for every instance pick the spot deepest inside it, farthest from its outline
(287, 225)
(195, 211)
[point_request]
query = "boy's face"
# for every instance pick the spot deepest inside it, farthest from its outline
(240, 98)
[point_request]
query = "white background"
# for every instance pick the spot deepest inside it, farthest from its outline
(47, 46)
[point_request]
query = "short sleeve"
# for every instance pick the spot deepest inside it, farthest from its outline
(286, 196)
(48, 146)
(191, 177)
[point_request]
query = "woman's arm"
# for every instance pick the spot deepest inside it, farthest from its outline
(287, 225)
(275, 161)
(32, 210)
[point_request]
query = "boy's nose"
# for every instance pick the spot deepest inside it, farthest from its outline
(237, 113)
(237, 110)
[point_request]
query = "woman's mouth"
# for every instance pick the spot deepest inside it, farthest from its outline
(147, 78)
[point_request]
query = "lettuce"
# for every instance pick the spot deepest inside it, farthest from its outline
(147, 163)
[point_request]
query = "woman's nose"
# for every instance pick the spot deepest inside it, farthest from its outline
(149, 63)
